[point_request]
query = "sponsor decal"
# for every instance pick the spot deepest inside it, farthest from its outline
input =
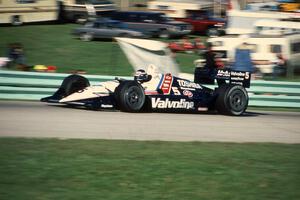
(247, 75)
(242, 74)
(149, 92)
(166, 84)
(223, 73)
(202, 109)
(182, 103)
(188, 84)
(176, 91)
(188, 93)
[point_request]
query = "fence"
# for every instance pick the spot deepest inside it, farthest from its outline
(33, 86)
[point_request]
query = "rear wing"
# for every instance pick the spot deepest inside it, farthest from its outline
(234, 77)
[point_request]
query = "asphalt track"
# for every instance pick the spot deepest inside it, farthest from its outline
(35, 119)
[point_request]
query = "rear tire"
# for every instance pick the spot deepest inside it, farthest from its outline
(130, 96)
(231, 100)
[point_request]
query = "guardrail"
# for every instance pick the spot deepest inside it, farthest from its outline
(34, 85)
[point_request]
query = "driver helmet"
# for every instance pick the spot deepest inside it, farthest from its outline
(141, 76)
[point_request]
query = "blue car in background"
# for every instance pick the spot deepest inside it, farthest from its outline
(106, 29)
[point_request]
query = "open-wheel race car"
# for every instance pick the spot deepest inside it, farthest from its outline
(152, 91)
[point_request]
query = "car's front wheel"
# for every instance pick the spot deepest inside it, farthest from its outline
(74, 83)
(231, 100)
(86, 37)
(130, 96)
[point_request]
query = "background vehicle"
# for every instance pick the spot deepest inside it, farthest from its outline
(158, 24)
(205, 23)
(276, 27)
(265, 49)
(181, 9)
(17, 12)
(289, 5)
(105, 28)
(79, 10)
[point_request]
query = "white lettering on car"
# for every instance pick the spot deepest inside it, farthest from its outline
(188, 84)
(182, 103)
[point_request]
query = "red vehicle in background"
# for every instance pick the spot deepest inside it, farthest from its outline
(204, 22)
(187, 45)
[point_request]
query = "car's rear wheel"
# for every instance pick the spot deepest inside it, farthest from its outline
(86, 37)
(130, 96)
(231, 100)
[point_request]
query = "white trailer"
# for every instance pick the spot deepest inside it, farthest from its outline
(16, 12)
(264, 48)
(179, 8)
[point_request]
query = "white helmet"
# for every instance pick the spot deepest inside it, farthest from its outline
(142, 76)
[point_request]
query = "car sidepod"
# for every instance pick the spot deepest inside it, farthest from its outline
(176, 94)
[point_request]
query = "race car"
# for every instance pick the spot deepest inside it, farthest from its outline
(151, 91)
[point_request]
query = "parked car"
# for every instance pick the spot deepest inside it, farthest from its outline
(155, 23)
(203, 22)
(105, 29)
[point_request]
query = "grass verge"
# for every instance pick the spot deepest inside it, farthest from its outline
(111, 170)
(54, 45)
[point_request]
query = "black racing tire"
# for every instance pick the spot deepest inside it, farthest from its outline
(74, 83)
(130, 96)
(231, 100)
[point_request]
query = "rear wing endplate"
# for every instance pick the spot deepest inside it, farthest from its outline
(234, 77)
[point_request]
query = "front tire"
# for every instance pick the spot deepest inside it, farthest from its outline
(231, 100)
(70, 84)
(130, 96)
(74, 83)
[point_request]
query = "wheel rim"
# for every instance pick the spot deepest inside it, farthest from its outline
(133, 97)
(86, 37)
(237, 101)
(212, 32)
(164, 34)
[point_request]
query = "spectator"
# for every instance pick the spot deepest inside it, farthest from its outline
(16, 55)
(209, 57)
(280, 67)
(242, 61)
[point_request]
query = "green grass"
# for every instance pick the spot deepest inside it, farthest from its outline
(54, 45)
(111, 170)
